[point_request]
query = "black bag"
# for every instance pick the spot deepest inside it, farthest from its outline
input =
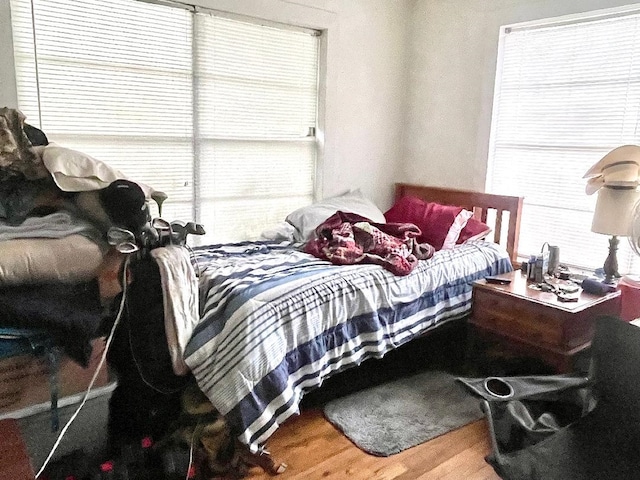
(147, 397)
(569, 427)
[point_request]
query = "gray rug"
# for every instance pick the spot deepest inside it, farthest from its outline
(389, 418)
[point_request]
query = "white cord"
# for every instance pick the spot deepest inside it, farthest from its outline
(95, 374)
(193, 436)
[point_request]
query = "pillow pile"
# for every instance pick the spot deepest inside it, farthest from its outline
(306, 219)
(442, 226)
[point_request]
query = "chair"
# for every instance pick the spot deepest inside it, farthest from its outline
(567, 427)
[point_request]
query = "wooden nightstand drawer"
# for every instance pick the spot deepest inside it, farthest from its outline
(536, 322)
(517, 319)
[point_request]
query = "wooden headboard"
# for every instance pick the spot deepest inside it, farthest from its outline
(480, 204)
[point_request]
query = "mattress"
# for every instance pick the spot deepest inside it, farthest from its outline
(275, 322)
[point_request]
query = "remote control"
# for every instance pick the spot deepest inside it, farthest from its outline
(498, 280)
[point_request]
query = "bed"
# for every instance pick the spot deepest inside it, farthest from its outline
(275, 321)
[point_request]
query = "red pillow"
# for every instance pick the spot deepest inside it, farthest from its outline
(440, 224)
(473, 230)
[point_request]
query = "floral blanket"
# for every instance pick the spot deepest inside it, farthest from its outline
(347, 238)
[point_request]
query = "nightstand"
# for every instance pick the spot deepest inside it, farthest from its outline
(533, 323)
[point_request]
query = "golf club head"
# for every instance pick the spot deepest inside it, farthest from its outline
(160, 224)
(195, 228)
(117, 235)
(159, 197)
(164, 231)
(127, 247)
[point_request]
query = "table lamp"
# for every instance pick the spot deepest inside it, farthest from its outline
(613, 216)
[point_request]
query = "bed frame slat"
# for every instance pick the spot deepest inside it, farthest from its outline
(479, 203)
(497, 235)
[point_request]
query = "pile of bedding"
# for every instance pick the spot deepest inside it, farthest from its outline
(56, 206)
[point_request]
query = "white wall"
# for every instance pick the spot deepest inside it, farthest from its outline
(452, 70)
(366, 80)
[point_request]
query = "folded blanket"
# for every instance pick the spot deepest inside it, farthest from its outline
(180, 299)
(56, 225)
(347, 238)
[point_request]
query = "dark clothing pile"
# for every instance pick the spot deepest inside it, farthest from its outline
(71, 314)
(32, 205)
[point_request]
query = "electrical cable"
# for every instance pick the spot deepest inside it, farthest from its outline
(95, 374)
(193, 437)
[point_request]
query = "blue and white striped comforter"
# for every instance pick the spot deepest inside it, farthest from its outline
(276, 321)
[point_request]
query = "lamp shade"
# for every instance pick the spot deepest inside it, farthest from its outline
(614, 210)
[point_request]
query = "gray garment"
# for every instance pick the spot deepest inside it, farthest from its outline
(56, 225)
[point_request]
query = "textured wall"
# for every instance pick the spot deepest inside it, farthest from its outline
(453, 52)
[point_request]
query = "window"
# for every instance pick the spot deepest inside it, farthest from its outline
(567, 92)
(218, 112)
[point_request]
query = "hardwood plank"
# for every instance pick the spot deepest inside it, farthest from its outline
(428, 456)
(14, 458)
(315, 449)
(462, 465)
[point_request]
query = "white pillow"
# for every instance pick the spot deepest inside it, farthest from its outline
(74, 171)
(306, 219)
(283, 231)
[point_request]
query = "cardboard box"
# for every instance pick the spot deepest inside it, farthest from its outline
(25, 379)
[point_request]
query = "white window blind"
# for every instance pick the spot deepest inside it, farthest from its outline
(257, 96)
(566, 94)
(217, 112)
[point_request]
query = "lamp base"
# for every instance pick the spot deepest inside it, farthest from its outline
(610, 266)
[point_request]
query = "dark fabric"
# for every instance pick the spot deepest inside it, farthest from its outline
(70, 313)
(147, 398)
(556, 432)
(35, 135)
(20, 199)
(125, 204)
(548, 387)
(597, 447)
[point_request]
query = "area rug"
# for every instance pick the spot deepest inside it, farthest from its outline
(389, 418)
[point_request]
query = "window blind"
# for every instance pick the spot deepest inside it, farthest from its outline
(214, 111)
(257, 96)
(566, 94)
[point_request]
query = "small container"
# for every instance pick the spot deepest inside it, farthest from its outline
(554, 259)
(531, 268)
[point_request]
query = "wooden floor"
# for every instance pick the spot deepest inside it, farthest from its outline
(14, 458)
(315, 449)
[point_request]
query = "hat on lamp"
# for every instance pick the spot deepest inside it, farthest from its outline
(619, 167)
